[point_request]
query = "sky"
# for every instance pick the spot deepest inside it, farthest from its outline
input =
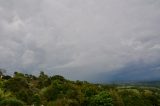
(93, 40)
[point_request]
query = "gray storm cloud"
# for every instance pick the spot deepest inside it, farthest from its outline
(78, 38)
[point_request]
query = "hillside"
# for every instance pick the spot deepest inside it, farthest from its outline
(26, 90)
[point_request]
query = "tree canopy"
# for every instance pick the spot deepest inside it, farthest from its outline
(26, 90)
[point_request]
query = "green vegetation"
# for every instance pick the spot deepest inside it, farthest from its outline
(28, 90)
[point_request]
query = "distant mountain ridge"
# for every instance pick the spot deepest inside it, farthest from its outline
(155, 83)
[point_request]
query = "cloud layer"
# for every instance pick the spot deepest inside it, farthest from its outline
(81, 39)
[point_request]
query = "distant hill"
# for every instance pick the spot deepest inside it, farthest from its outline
(140, 83)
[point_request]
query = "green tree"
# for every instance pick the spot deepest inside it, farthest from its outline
(58, 77)
(19, 86)
(131, 98)
(16, 83)
(4, 95)
(53, 91)
(117, 100)
(11, 102)
(36, 100)
(101, 99)
(43, 80)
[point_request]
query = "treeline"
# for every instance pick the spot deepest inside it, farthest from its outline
(43, 90)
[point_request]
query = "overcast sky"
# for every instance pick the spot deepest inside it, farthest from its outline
(94, 40)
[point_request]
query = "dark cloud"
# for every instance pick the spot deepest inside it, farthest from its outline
(79, 39)
(138, 71)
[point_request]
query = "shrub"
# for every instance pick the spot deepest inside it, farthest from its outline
(11, 102)
(101, 99)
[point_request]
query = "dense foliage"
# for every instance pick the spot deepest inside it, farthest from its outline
(43, 90)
